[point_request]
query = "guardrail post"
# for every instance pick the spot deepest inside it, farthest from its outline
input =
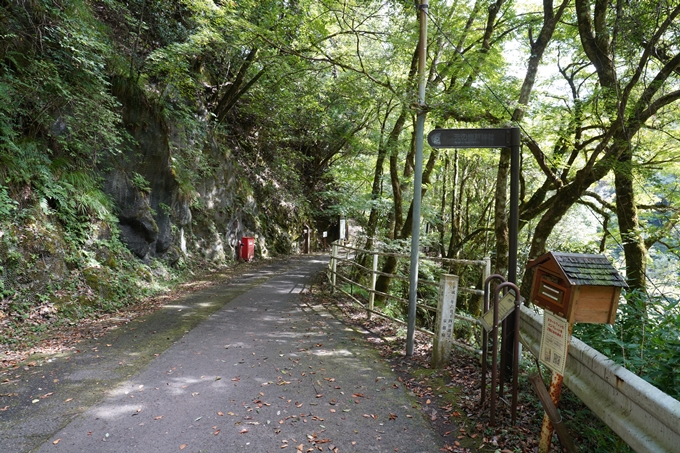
(484, 336)
(446, 311)
(487, 268)
(371, 295)
(334, 265)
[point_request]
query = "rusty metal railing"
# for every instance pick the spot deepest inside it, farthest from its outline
(343, 265)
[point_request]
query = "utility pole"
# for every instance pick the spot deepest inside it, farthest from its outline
(418, 179)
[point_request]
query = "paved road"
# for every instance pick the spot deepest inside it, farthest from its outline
(265, 373)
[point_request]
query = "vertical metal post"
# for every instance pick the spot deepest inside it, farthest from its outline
(494, 360)
(507, 357)
(371, 295)
(486, 273)
(513, 226)
(515, 362)
(417, 181)
(334, 265)
(514, 366)
(485, 334)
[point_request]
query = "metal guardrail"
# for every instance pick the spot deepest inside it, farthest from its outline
(647, 419)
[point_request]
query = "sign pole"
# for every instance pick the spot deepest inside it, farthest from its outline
(508, 137)
(417, 181)
(513, 226)
(508, 349)
(555, 341)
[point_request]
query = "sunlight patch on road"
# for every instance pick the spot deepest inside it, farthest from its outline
(335, 353)
(111, 412)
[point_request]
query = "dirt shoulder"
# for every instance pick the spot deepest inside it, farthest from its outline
(450, 397)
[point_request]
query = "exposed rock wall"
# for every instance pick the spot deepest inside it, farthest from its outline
(140, 180)
(228, 202)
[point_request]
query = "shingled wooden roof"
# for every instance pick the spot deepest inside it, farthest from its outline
(583, 269)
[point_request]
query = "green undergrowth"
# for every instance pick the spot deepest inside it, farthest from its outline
(50, 279)
(450, 397)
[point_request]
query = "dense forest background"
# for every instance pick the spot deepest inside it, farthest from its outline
(141, 139)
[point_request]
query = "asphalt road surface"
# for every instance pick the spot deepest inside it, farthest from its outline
(245, 366)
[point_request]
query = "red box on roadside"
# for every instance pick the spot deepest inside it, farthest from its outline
(247, 248)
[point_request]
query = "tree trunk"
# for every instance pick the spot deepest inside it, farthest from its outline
(550, 20)
(383, 282)
(372, 225)
(441, 225)
(634, 248)
(394, 170)
(235, 91)
(407, 228)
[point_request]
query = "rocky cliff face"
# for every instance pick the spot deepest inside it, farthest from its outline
(103, 193)
(226, 203)
(165, 214)
(140, 180)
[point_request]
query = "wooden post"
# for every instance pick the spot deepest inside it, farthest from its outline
(446, 311)
(334, 265)
(371, 295)
(555, 393)
(552, 413)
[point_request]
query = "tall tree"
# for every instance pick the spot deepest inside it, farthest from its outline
(632, 86)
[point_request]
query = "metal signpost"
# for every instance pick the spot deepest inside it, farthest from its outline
(471, 138)
(490, 138)
(508, 137)
(417, 180)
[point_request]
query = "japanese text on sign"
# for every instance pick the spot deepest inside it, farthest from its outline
(469, 138)
(505, 306)
(554, 342)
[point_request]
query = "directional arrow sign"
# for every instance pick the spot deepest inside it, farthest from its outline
(470, 138)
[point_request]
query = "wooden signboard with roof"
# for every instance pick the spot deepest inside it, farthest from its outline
(577, 287)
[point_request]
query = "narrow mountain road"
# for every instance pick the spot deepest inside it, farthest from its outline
(263, 372)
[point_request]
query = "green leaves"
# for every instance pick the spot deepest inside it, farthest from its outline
(7, 204)
(645, 339)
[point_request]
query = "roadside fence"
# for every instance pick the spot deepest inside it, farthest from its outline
(358, 282)
(647, 419)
